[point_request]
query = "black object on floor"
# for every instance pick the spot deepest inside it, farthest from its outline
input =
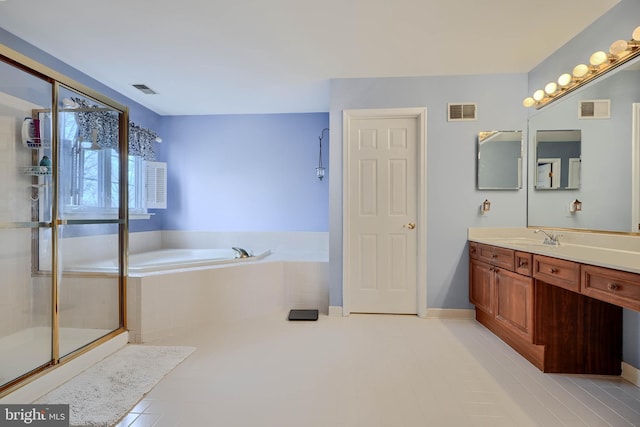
(303, 315)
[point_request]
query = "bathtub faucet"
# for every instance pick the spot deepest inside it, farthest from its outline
(242, 253)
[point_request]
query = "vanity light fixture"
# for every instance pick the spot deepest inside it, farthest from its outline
(320, 169)
(600, 62)
(575, 206)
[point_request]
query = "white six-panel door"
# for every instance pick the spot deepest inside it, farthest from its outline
(382, 224)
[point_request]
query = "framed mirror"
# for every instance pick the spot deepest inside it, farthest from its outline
(558, 159)
(499, 160)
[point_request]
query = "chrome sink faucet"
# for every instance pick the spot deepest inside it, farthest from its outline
(551, 238)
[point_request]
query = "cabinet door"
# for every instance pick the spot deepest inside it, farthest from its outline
(481, 286)
(514, 302)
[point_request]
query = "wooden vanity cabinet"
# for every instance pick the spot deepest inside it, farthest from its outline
(536, 306)
(503, 297)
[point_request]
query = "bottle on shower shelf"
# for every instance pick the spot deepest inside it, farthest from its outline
(45, 164)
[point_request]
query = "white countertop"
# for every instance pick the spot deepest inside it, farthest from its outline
(620, 252)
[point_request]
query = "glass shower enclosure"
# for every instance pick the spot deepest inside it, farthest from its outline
(63, 203)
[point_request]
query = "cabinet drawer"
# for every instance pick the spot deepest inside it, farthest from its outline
(494, 255)
(523, 263)
(613, 286)
(473, 250)
(558, 272)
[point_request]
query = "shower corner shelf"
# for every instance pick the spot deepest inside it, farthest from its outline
(37, 170)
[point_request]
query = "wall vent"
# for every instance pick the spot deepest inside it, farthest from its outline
(145, 89)
(156, 185)
(462, 112)
(595, 109)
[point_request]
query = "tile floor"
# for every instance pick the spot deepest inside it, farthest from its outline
(373, 371)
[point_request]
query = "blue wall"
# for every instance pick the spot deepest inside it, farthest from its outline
(246, 172)
(452, 199)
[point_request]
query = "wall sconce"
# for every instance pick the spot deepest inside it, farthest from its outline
(320, 169)
(600, 62)
(485, 207)
(575, 206)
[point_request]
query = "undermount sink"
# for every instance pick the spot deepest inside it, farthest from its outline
(524, 242)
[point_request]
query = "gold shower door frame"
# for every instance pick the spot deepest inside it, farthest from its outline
(58, 81)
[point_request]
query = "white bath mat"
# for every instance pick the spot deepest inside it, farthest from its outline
(107, 391)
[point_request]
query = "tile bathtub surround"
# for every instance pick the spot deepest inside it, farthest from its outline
(372, 370)
(175, 302)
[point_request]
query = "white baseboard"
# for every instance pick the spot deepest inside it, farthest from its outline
(631, 374)
(450, 313)
(63, 373)
(335, 310)
(432, 313)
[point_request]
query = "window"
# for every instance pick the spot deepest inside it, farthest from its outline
(90, 176)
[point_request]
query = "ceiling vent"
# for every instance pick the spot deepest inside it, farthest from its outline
(595, 109)
(145, 89)
(462, 112)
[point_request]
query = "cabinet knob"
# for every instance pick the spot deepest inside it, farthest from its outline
(494, 256)
(612, 286)
(553, 270)
(522, 263)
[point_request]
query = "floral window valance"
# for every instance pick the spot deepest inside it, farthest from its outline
(99, 126)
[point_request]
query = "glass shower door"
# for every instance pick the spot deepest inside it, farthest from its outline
(89, 280)
(26, 331)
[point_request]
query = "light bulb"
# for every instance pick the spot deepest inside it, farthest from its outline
(636, 34)
(551, 88)
(598, 58)
(564, 79)
(528, 102)
(618, 47)
(538, 95)
(580, 70)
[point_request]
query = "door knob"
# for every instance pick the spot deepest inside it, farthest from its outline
(410, 226)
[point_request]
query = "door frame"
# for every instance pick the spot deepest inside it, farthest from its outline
(556, 168)
(421, 202)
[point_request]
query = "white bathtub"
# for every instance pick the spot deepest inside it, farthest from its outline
(170, 301)
(170, 259)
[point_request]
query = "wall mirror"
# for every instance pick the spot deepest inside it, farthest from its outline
(499, 160)
(558, 159)
(604, 181)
